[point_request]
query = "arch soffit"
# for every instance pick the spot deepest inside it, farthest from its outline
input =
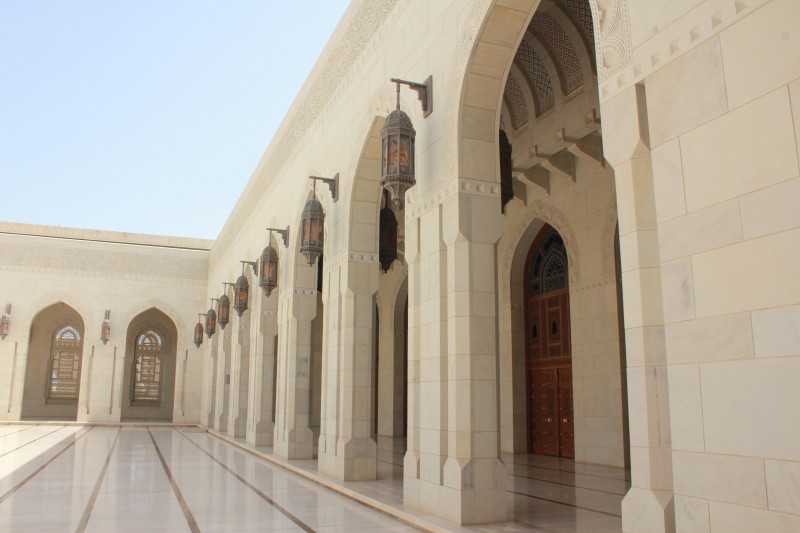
(474, 89)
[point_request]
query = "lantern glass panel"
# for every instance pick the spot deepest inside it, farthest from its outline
(198, 334)
(224, 314)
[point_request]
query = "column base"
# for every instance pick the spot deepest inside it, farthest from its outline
(221, 424)
(237, 426)
(353, 459)
(261, 434)
(648, 511)
(299, 444)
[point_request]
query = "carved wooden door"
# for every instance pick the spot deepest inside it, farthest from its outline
(548, 349)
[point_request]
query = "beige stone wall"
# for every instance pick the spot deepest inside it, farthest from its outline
(92, 271)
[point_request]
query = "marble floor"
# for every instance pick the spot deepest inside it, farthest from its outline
(158, 478)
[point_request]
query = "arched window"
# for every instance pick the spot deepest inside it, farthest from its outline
(548, 266)
(147, 368)
(64, 370)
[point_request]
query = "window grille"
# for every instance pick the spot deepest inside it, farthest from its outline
(147, 369)
(63, 379)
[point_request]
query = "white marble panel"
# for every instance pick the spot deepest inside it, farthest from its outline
(776, 332)
(783, 486)
(685, 408)
(755, 274)
(691, 515)
(726, 518)
(771, 210)
(710, 339)
(675, 108)
(668, 181)
(720, 157)
(678, 290)
(750, 408)
(724, 478)
(702, 230)
(760, 52)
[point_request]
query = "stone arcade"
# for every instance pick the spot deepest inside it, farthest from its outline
(635, 302)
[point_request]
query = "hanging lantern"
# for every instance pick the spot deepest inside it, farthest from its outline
(388, 235)
(506, 185)
(313, 224)
(198, 333)
(397, 153)
(211, 320)
(268, 269)
(224, 309)
(268, 262)
(5, 322)
(241, 293)
(105, 330)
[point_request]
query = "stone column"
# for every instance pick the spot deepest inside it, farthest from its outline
(297, 307)
(240, 368)
(223, 380)
(260, 426)
(210, 382)
(347, 450)
(648, 506)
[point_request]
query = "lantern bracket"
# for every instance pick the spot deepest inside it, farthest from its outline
(333, 185)
(214, 300)
(253, 264)
(424, 93)
(285, 232)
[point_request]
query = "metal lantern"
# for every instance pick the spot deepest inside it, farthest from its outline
(312, 224)
(397, 153)
(5, 322)
(268, 269)
(198, 332)
(506, 185)
(241, 293)
(388, 236)
(224, 309)
(211, 320)
(105, 330)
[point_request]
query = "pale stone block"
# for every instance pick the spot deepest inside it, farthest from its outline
(713, 163)
(482, 92)
(755, 274)
(771, 210)
(490, 59)
(760, 52)
(703, 230)
(624, 129)
(765, 423)
(645, 345)
(724, 478)
(776, 332)
(674, 108)
(727, 518)
(640, 290)
(678, 290)
(668, 181)
(691, 515)
(783, 486)
(648, 19)
(685, 408)
(503, 26)
(710, 339)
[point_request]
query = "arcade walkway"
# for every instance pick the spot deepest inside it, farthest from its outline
(164, 478)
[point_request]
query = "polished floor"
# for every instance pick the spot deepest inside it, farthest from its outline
(165, 479)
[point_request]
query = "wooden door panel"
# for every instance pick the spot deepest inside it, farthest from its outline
(566, 422)
(545, 406)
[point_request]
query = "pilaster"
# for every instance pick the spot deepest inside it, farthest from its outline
(347, 450)
(240, 370)
(260, 426)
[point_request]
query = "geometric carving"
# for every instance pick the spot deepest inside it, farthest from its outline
(515, 99)
(581, 12)
(537, 72)
(614, 47)
(566, 58)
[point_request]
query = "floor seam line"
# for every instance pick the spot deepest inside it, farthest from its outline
(255, 489)
(87, 513)
(564, 503)
(187, 513)
(31, 442)
(19, 485)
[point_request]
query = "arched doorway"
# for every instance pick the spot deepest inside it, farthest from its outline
(548, 348)
(150, 355)
(53, 369)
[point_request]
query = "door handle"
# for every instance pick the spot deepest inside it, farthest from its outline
(564, 420)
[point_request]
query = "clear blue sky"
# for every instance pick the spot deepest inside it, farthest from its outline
(146, 116)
